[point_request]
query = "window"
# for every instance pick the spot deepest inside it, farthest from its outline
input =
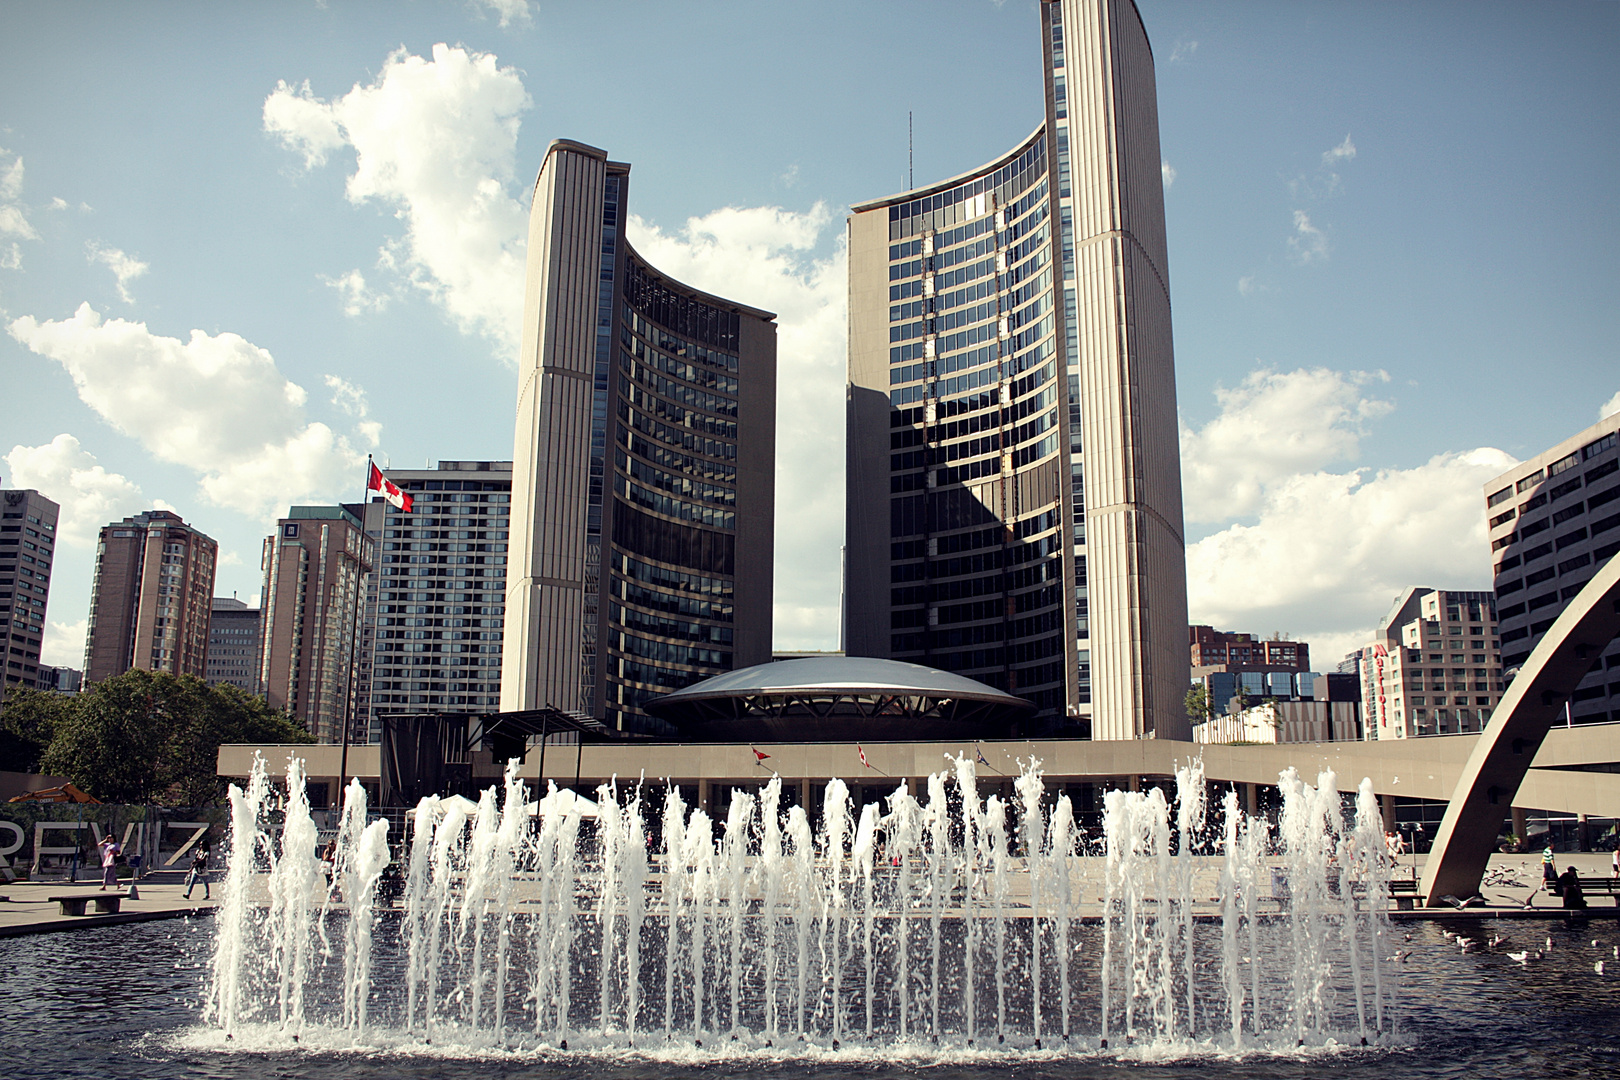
(1593, 449)
(1497, 498)
(289, 531)
(1530, 481)
(1503, 519)
(1563, 464)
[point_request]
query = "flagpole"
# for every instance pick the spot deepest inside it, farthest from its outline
(354, 639)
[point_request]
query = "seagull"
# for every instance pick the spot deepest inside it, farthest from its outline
(1409, 938)
(1449, 935)
(1521, 957)
(1456, 903)
(1549, 943)
(1400, 956)
(1467, 944)
(1594, 943)
(1598, 967)
(1498, 939)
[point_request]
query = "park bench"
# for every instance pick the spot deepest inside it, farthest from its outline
(1590, 886)
(1404, 892)
(74, 903)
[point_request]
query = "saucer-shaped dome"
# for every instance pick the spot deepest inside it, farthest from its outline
(839, 698)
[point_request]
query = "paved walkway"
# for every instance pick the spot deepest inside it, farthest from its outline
(27, 911)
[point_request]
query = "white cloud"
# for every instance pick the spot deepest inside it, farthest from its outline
(125, 268)
(1274, 426)
(435, 140)
(215, 404)
(67, 474)
(1345, 151)
(1308, 243)
(59, 203)
(1183, 50)
(1329, 551)
(358, 299)
(14, 225)
(1323, 552)
(1610, 407)
(509, 11)
(764, 257)
(1167, 173)
(1246, 285)
(789, 177)
(63, 643)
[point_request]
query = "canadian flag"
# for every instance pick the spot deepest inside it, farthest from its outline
(376, 481)
(759, 757)
(861, 752)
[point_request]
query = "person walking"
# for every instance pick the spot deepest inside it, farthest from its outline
(110, 850)
(1549, 869)
(1614, 861)
(198, 874)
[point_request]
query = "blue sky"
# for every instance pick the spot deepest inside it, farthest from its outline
(1392, 230)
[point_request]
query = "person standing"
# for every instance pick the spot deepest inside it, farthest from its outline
(198, 874)
(1549, 870)
(1614, 862)
(109, 861)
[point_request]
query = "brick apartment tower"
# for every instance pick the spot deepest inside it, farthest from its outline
(151, 599)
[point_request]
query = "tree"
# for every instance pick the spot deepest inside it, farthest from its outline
(145, 737)
(1198, 704)
(27, 724)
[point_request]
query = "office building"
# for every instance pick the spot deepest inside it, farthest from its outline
(315, 569)
(27, 550)
(64, 680)
(1014, 482)
(1554, 520)
(151, 598)
(436, 605)
(1210, 649)
(1435, 666)
(233, 644)
(643, 473)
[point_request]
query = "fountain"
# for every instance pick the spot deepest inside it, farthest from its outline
(541, 923)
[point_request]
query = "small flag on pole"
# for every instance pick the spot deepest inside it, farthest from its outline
(861, 752)
(376, 481)
(980, 755)
(759, 757)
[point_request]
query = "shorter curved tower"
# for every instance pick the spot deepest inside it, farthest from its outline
(643, 472)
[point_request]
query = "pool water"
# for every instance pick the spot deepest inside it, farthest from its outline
(128, 1001)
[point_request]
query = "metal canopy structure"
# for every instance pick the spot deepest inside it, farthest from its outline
(821, 699)
(430, 753)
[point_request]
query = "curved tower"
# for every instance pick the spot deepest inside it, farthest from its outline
(1014, 481)
(643, 474)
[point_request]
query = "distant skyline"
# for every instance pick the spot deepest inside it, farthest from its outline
(242, 246)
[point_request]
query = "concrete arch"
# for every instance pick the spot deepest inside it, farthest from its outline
(1529, 709)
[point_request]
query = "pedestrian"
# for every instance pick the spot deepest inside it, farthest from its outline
(1614, 861)
(109, 861)
(1549, 869)
(1569, 885)
(198, 874)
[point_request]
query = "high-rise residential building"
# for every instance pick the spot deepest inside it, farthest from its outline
(436, 606)
(151, 598)
(27, 550)
(1434, 667)
(65, 680)
(643, 480)
(315, 569)
(233, 644)
(1229, 651)
(1014, 485)
(1554, 520)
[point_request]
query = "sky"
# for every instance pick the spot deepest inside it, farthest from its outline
(244, 245)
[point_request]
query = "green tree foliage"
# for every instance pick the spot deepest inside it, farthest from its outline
(27, 723)
(1198, 704)
(146, 737)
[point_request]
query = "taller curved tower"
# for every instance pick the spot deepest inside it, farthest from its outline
(643, 471)
(1014, 480)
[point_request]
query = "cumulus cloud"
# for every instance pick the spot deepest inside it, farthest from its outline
(435, 141)
(63, 643)
(215, 404)
(1610, 407)
(1167, 173)
(125, 268)
(1246, 285)
(358, 298)
(1345, 151)
(1311, 550)
(1308, 243)
(765, 257)
(1272, 427)
(14, 225)
(507, 11)
(67, 474)
(1329, 551)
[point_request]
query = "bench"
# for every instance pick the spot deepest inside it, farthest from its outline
(1602, 886)
(1404, 891)
(106, 903)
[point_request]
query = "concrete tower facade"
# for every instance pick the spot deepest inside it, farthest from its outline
(27, 550)
(1014, 480)
(643, 476)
